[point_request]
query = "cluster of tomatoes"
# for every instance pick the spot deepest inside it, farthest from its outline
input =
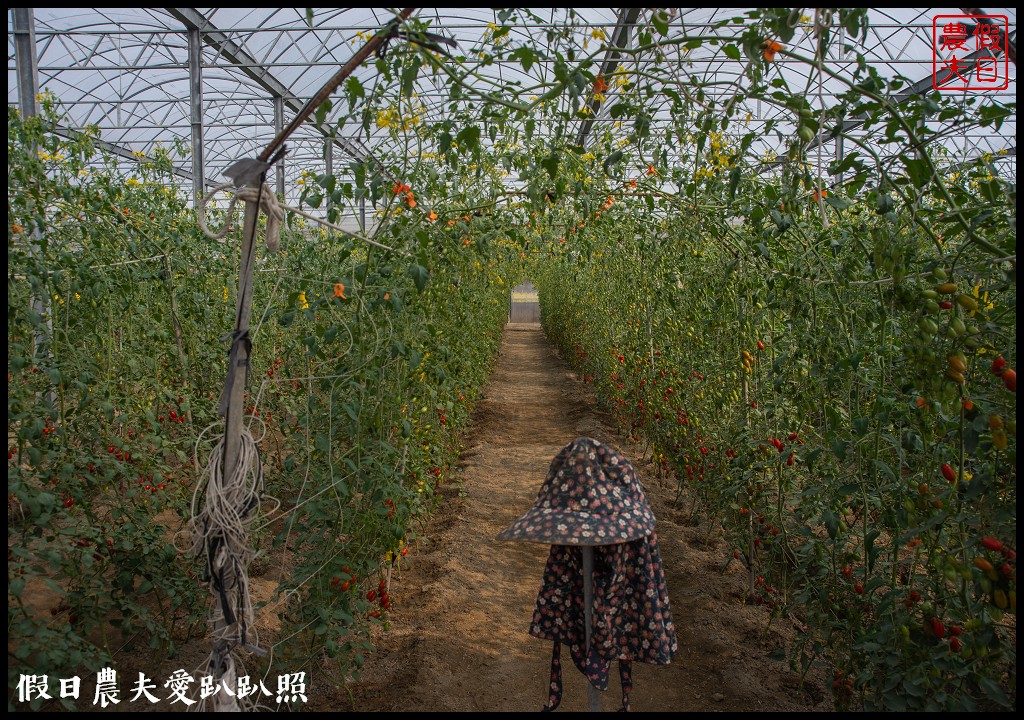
(1008, 375)
(765, 594)
(146, 483)
(278, 362)
(344, 581)
(998, 578)
(381, 596)
(61, 609)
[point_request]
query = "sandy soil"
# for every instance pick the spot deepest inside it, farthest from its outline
(458, 637)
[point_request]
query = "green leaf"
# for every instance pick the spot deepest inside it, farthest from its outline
(419, 275)
(971, 439)
(734, 182)
(850, 162)
(886, 470)
(444, 142)
(619, 109)
(837, 202)
(355, 91)
(869, 543)
(839, 448)
(321, 112)
(732, 52)
(994, 114)
(812, 457)
(409, 73)
(993, 690)
(831, 521)
(919, 171)
(659, 19)
(468, 138)
(885, 204)
(525, 56)
(550, 163)
(610, 161)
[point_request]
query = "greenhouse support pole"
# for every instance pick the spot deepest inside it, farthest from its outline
(593, 695)
(278, 128)
(25, 60)
(27, 68)
(195, 98)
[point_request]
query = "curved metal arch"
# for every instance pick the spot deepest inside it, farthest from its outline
(140, 35)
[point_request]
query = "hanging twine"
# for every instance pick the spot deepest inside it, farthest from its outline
(275, 210)
(268, 204)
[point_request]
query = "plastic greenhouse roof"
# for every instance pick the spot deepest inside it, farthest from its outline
(126, 71)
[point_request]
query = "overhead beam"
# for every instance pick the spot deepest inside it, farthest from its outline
(1004, 154)
(120, 151)
(252, 68)
(248, 65)
(620, 40)
(917, 88)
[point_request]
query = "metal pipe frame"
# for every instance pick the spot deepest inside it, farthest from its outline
(139, 52)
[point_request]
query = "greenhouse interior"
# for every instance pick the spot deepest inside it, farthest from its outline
(334, 334)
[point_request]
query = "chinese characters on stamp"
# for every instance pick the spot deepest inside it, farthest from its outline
(969, 52)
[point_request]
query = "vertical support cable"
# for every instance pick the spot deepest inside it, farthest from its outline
(195, 97)
(278, 128)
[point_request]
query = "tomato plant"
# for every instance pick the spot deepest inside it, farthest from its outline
(820, 349)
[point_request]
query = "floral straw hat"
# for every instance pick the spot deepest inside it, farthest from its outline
(591, 497)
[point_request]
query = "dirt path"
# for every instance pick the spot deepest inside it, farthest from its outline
(458, 639)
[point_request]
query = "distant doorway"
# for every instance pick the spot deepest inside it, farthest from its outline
(524, 306)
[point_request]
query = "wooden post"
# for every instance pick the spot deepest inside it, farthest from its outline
(233, 420)
(243, 304)
(593, 695)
